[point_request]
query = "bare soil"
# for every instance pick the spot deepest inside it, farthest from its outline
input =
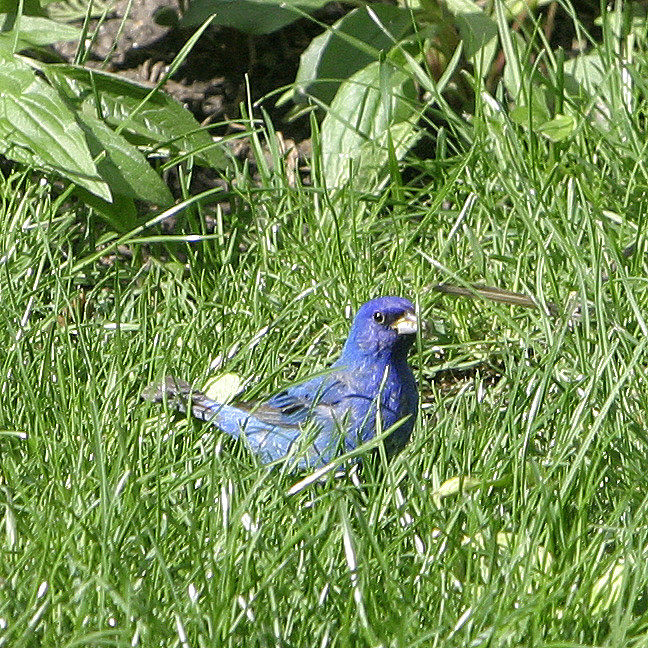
(226, 64)
(214, 79)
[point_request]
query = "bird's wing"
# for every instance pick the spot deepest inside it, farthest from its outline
(279, 411)
(315, 400)
(310, 412)
(283, 409)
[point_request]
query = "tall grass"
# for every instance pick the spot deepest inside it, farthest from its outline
(126, 524)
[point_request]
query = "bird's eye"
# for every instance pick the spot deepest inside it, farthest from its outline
(379, 317)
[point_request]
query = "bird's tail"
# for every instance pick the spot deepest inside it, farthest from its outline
(180, 393)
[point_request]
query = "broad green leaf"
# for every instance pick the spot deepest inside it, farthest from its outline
(37, 128)
(490, 551)
(121, 213)
(585, 74)
(161, 120)
(66, 11)
(250, 16)
(30, 7)
(375, 109)
(349, 45)
(515, 8)
(33, 32)
(558, 128)
(534, 113)
(122, 165)
(478, 32)
(513, 45)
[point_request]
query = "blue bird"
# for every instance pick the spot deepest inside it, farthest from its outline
(370, 388)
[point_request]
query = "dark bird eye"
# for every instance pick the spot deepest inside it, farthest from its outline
(379, 317)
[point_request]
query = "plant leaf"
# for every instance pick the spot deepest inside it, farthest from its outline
(376, 104)
(607, 589)
(37, 128)
(349, 45)
(534, 112)
(33, 32)
(122, 165)
(558, 128)
(478, 32)
(223, 388)
(121, 213)
(458, 485)
(585, 74)
(30, 7)
(250, 16)
(161, 120)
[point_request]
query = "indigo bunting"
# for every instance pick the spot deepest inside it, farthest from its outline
(369, 389)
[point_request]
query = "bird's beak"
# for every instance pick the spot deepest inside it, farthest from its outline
(407, 324)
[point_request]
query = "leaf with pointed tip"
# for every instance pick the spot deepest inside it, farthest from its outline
(121, 213)
(37, 128)
(558, 128)
(150, 117)
(122, 165)
(349, 45)
(33, 31)
(374, 111)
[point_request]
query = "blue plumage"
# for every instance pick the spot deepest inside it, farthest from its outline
(369, 388)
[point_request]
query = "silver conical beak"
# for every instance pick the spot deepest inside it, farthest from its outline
(407, 324)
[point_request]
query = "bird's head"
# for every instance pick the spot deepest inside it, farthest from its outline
(385, 325)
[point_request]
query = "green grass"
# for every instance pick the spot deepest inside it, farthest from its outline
(123, 524)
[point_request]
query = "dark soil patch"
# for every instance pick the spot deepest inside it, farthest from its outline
(213, 81)
(220, 70)
(225, 65)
